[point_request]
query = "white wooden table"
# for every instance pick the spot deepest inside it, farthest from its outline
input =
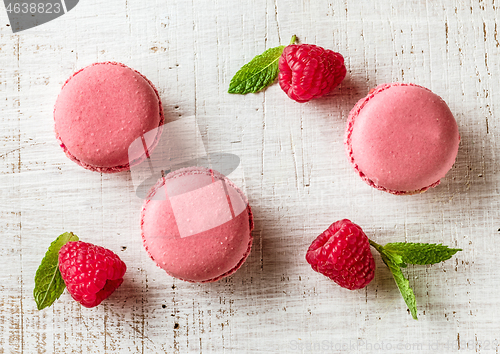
(297, 178)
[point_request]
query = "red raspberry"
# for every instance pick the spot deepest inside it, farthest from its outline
(342, 253)
(307, 71)
(91, 273)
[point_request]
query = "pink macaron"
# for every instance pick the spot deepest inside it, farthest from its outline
(401, 138)
(196, 225)
(101, 110)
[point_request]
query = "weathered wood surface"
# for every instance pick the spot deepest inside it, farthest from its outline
(296, 175)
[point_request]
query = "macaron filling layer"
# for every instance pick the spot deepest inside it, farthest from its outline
(402, 138)
(101, 110)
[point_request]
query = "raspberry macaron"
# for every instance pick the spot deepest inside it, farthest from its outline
(196, 225)
(101, 110)
(401, 138)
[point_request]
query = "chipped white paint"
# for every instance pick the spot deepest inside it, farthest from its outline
(297, 179)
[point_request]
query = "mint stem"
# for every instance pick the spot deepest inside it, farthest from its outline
(376, 246)
(294, 38)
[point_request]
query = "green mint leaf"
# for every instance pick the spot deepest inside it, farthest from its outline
(257, 74)
(420, 253)
(403, 285)
(49, 284)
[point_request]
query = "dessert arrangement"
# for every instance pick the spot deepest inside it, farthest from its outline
(195, 223)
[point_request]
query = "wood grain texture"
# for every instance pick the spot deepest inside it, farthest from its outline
(297, 178)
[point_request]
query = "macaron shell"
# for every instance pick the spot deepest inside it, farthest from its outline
(101, 110)
(402, 138)
(174, 232)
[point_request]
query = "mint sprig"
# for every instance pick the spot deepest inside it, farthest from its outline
(259, 73)
(49, 284)
(396, 255)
